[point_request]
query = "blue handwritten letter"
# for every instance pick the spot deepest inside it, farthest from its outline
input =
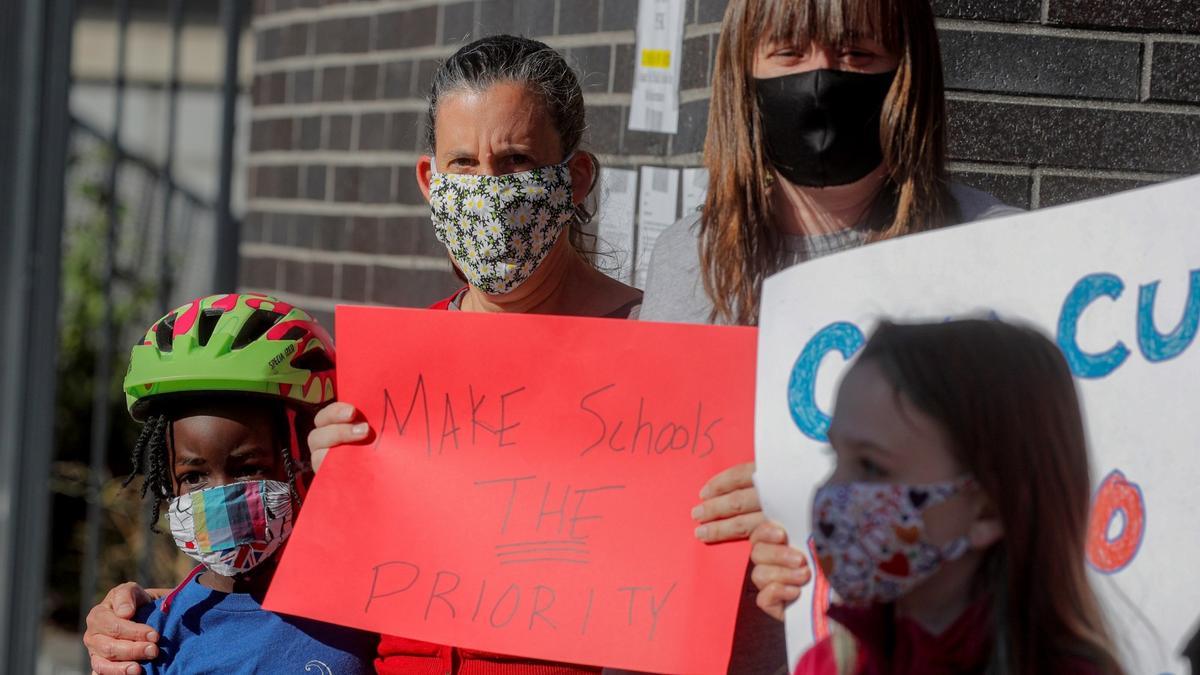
(842, 336)
(1083, 294)
(1154, 345)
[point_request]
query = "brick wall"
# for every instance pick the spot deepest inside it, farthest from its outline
(1050, 101)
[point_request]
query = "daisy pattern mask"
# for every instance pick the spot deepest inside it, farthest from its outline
(232, 528)
(499, 229)
(869, 538)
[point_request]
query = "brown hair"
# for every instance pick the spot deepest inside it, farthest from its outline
(543, 71)
(1005, 396)
(739, 243)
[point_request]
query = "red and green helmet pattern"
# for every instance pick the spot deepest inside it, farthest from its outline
(248, 343)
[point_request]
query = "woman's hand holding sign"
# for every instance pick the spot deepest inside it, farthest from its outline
(730, 510)
(336, 424)
(780, 571)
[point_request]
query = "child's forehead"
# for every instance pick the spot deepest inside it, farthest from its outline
(225, 426)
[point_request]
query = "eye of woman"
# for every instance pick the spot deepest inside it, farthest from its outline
(518, 162)
(460, 165)
(856, 57)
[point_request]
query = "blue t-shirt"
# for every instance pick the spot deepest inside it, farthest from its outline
(207, 631)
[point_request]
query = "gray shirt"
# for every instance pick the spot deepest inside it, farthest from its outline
(674, 291)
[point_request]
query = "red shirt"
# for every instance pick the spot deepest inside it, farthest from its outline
(445, 303)
(401, 656)
(886, 645)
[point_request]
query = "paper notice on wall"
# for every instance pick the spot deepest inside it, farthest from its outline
(618, 202)
(658, 199)
(657, 59)
(695, 187)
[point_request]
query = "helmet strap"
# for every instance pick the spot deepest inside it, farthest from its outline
(294, 449)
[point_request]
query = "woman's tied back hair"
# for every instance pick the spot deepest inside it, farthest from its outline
(507, 58)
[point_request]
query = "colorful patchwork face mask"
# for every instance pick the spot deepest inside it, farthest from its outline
(870, 538)
(230, 529)
(498, 229)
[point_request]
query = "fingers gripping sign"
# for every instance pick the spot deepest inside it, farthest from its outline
(335, 424)
(780, 571)
(731, 509)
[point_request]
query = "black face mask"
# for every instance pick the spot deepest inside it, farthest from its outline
(821, 127)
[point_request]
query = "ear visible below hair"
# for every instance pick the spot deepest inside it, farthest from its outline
(424, 171)
(583, 175)
(986, 529)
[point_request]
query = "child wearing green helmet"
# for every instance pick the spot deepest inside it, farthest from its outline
(226, 386)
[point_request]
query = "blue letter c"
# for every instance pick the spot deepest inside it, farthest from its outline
(842, 336)
(1083, 294)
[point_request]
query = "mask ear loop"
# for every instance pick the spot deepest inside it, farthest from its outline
(294, 451)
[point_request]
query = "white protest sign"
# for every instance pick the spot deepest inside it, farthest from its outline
(1116, 282)
(655, 105)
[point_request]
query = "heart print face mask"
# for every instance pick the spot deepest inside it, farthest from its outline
(870, 540)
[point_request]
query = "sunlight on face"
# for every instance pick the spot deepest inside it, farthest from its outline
(861, 55)
(218, 447)
(503, 129)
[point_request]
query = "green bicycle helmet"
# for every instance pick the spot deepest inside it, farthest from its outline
(248, 343)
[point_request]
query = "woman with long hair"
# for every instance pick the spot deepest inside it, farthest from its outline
(953, 526)
(826, 131)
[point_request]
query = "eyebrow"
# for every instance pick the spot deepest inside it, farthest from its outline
(251, 452)
(859, 443)
(500, 151)
(875, 448)
(514, 148)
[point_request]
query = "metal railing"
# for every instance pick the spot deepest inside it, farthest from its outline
(141, 219)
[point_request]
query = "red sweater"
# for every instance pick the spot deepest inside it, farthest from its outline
(401, 656)
(886, 645)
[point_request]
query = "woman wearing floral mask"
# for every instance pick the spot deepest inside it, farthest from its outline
(507, 182)
(952, 528)
(826, 131)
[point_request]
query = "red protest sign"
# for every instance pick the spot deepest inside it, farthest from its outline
(529, 487)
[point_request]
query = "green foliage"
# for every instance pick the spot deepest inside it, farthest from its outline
(83, 304)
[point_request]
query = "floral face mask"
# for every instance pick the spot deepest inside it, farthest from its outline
(870, 538)
(499, 229)
(230, 529)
